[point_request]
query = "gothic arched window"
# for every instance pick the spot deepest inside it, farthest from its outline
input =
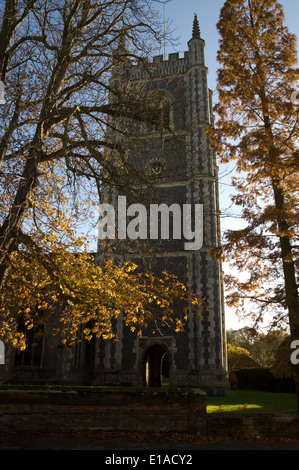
(158, 110)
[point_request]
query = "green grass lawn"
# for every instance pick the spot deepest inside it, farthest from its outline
(253, 401)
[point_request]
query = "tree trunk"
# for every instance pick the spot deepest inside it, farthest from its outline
(15, 216)
(289, 272)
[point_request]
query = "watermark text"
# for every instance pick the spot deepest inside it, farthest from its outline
(2, 93)
(295, 354)
(187, 222)
(295, 93)
(2, 352)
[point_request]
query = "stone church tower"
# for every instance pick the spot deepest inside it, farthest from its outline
(183, 169)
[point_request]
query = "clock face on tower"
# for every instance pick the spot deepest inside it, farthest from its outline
(157, 166)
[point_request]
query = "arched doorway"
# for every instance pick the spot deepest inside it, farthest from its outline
(156, 363)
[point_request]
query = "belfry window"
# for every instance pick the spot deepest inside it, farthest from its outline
(158, 111)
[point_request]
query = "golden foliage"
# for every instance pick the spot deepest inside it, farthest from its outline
(68, 293)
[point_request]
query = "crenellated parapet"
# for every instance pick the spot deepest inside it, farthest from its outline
(158, 66)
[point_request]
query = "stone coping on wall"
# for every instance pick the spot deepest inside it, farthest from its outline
(99, 390)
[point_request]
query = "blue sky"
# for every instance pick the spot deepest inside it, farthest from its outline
(180, 14)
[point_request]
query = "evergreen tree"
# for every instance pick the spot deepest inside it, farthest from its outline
(258, 129)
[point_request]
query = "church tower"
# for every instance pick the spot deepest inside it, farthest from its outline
(181, 166)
